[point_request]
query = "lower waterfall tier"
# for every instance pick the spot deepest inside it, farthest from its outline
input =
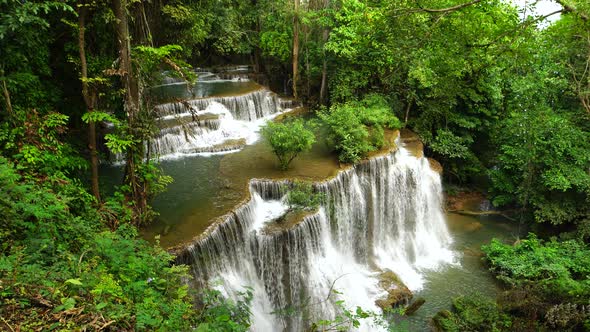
(382, 214)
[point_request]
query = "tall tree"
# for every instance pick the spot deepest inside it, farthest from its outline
(129, 81)
(295, 47)
(90, 95)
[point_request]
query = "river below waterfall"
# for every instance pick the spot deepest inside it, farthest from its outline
(470, 275)
(384, 214)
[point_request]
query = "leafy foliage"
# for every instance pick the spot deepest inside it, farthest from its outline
(548, 281)
(219, 314)
(346, 319)
(56, 252)
(473, 313)
(36, 144)
(302, 197)
(62, 267)
(554, 266)
(356, 128)
(543, 168)
(288, 139)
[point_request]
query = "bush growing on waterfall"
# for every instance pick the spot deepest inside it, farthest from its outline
(356, 128)
(346, 133)
(302, 197)
(288, 139)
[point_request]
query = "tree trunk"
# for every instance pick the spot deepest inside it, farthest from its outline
(5, 92)
(6, 96)
(131, 104)
(146, 26)
(90, 101)
(307, 64)
(408, 108)
(295, 48)
(324, 86)
(325, 37)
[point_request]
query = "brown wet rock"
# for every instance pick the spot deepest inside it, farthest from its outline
(397, 292)
(416, 148)
(473, 252)
(287, 222)
(435, 165)
(473, 226)
(407, 136)
(464, 200)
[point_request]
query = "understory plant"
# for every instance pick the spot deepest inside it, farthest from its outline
(548, 287)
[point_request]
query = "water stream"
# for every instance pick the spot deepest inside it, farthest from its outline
(382, 214)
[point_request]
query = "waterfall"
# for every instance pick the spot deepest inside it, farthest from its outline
(212, 124)
(230, 123)
(247, 107)
(382, 214)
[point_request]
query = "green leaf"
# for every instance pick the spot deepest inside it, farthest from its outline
(76, 282)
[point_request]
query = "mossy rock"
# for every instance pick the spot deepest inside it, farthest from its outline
(443, 322)
(397, 292)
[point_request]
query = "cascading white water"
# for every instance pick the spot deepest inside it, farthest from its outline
(384, 213)
(235, 122)
(213, 124)
(248, 107)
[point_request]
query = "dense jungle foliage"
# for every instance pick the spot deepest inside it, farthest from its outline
(499, 97)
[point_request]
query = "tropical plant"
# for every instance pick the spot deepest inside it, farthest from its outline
(288, 139)
(302, 196)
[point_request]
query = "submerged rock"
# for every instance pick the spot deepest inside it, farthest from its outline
(412, 308)
(474, 252)
(397, 292)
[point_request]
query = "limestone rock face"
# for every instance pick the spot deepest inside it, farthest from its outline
(397, 292)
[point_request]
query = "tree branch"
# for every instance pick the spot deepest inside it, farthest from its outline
(571, 9)
(522, 26)
(449, 9)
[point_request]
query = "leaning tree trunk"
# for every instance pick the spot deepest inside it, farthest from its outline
(90, 101)
(6, 93)
(295, 48)
(131, 106)
(324, 85)
(324, 81)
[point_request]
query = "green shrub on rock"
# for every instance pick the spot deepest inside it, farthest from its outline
(303, 197)
(472, 313)
(288, 139)
(357, 127)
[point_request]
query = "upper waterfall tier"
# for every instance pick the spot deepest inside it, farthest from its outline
(214, 124)
(247, 107)
(382, 214)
